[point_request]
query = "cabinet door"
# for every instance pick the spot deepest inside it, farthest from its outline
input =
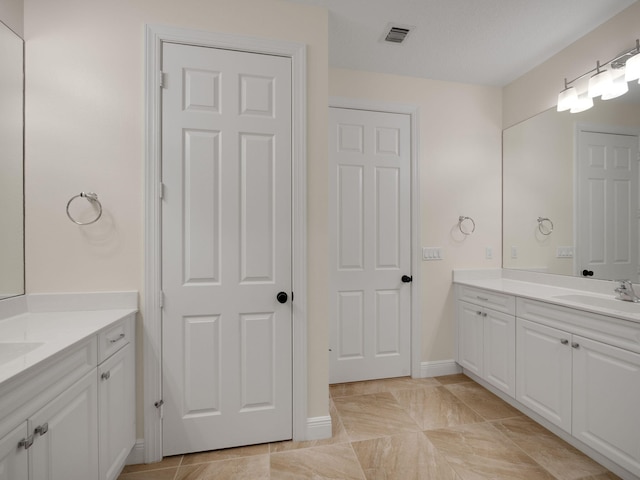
(606, 401)
(470, 331)
(13, 458)
(67, 448)
(543, 371)
(499, 347)
(116, 407)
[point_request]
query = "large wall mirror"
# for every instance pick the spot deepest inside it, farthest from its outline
(571, 198)
(11, 163)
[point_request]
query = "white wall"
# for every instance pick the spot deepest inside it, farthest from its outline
(538, 89)
(85, 132)
(460, 162)
(11, 14)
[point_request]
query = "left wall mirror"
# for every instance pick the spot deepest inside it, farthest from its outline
(12, 278)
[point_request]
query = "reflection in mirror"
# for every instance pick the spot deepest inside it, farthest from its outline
(581, 172)
(11, 164)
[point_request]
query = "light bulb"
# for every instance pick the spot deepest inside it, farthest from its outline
(632, 68)
(567, 98)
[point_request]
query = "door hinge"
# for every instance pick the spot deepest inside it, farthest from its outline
(161, 299)
(291, 297)
(161, 191)
(161, 79)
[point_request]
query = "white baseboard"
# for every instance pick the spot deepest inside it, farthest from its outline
(318, 428)
(136, 455)
(439, 368)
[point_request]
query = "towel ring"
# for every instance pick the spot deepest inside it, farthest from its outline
(461, 219)
(93, 199)
(545, 230)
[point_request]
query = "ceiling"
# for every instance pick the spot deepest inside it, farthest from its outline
(485, 42)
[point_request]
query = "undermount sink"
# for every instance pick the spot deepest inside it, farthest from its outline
(602, 302)
(11, 350)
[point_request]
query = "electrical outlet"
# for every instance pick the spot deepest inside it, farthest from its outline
(514, 252)
(488, 253)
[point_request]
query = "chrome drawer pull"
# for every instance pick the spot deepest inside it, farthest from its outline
(42, 429)
(26, 442)
(482, 298)
(117, 339)
(564, 341)
(106, 375)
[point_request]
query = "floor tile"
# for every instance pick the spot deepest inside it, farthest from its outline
(173, 461)
(550, 451)
(408, 457)
(162, 474)
(255, 467)
(456, 378)
(482, 401)
(379, 386)
(479, 451)
(435, 407)
(318, 463)
(371, 416)
(225, 454)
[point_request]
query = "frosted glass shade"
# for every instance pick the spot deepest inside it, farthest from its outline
(599, 83)
(617, 87)
(632, 68)
(567, 98)
(583, 102)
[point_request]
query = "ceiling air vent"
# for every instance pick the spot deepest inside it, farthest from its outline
(396, 34)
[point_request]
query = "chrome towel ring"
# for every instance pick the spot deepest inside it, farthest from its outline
(461, 220)
(93, 200)
(545, 226)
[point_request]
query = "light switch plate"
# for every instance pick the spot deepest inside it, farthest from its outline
(431, 253)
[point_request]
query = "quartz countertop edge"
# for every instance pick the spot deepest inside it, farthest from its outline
(492, 280)
(46, 325)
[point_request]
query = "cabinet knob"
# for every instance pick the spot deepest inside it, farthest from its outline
(564, 341)
(575, 345)
(105, 375)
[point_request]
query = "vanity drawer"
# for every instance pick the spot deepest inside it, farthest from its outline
(114, 338)
(486, 298)
(610, 330)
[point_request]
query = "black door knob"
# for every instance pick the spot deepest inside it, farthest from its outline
(587, 273)
(406, 279)
(282, 297)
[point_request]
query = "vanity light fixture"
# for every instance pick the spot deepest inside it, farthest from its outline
(608, 80)
(600, 82)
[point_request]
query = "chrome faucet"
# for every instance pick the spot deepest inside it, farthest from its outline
(626, 292)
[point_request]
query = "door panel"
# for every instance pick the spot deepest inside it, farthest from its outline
(369, 204)
(607, 208)
(226, 248)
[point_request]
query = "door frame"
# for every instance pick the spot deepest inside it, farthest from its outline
(416, 266)
(584, 127)
(155, 35)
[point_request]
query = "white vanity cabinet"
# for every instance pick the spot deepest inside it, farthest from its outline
(486, 336)
(13, 461)
(72, 417)
(65, 434)
(116, 419)
(583, 377)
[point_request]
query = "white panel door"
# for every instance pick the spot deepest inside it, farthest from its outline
(607, 208)
(604, 420)
(370, 244)
(226, 249)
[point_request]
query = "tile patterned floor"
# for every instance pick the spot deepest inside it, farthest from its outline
(445, 428)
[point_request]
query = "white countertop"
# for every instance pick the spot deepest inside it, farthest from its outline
(32, 337)
(535, 289)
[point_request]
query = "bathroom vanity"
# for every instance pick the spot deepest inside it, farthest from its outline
(67, 387)
(567, 355)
